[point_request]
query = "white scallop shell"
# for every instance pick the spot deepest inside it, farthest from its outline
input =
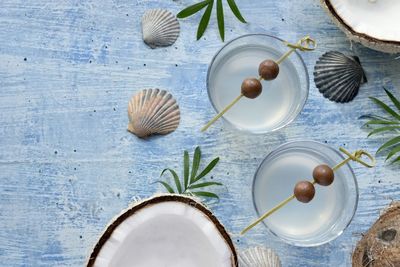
(338, 77)
(153, 111)
(160, 28)
(259, 257)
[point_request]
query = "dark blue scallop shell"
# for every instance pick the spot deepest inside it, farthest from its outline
(338, 77)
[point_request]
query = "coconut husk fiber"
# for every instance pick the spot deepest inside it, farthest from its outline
(380, 246)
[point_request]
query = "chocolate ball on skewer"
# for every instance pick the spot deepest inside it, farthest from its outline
(268, 69)
(251, 88)
(323, 175)
(304, 191)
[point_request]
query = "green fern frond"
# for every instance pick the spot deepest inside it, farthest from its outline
(205, 19)
(388, 123)
(192, 180)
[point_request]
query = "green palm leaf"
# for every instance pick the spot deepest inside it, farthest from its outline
(372, 116)
(377, 122)
(396, 160)
(167, 186)
(235, 11)
(220, 19)
(205, 184)
(207, 169)
(195, 164)
(205, 20)
(205, 194)
(186, 168)
(389, 143)
(385, 107)
(384, 129)
(176, 179)
(393, 152)
(393, 98)
(187, 12)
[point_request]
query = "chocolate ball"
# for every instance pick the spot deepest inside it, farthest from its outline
(268, 69)
(304, 191)
(251, 88)
(323, 175)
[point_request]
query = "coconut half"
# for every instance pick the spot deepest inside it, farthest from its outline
(380, 246)
(373, 23)
(167, 230)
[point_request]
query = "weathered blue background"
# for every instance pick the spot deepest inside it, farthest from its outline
(68, 165)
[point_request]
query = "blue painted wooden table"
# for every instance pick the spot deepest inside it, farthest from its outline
(68, 165)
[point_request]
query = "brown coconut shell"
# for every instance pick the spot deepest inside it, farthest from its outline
(155, 200)
(388, 46)
(380, 246)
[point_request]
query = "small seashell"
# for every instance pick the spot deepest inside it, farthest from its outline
(259, 257)
(153, 111)
(160, 28)
(338, 77)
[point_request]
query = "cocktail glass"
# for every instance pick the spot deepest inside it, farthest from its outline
(319, 221)
(281, 100)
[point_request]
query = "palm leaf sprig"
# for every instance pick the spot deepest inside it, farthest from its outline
(389, 123)
(193, 181)
(205, 19)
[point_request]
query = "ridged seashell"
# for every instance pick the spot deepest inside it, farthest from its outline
(160, 28)
(153, 111)
(259, 257)
(338, 77)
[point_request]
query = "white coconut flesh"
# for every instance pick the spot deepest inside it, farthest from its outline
(379, 19)
(166, 234)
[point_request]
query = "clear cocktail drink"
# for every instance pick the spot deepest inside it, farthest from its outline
(281, 100)
(322, 219)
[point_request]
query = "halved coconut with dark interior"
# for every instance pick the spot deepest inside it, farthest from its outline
(373, 23)
(166, 230)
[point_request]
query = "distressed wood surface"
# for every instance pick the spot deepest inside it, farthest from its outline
(68, 165)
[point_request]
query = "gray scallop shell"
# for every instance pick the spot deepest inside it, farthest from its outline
(153, 111)
(160, 28)
(338, 77)
(259, 257)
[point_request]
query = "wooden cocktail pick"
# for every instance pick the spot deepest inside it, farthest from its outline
(323, 175)
(268, 70)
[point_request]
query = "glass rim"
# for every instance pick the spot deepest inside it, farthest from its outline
(354, 179)
(243, 129)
